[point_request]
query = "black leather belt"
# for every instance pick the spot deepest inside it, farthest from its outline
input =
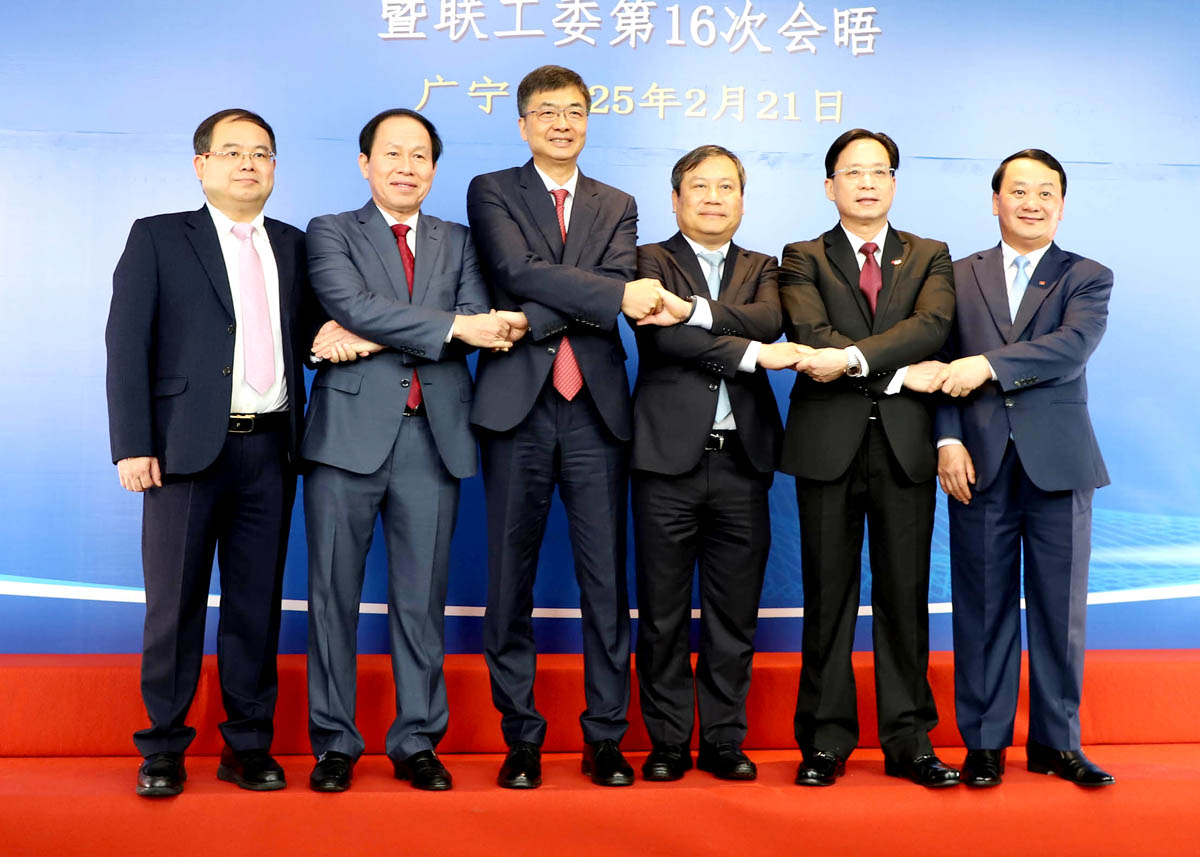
(719, 440)
(418, 411)
(252, 423)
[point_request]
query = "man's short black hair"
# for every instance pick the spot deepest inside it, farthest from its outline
(889, 145)
(547, 78)
(366, 137)
(202, 139)
(1040, 155)
(700, 154)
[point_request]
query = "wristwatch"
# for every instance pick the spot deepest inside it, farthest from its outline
(853, 367)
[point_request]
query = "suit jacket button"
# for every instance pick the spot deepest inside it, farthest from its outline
(404, 383)
(1008, 403)
(227, 371)
(713, 387)
(231, 329)
(551, 350)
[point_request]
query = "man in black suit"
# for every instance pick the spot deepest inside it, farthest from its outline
(205, 396)
(559, 249)
(706, 436)
(876, 304)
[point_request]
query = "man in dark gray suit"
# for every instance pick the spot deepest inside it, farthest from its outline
(388, 435)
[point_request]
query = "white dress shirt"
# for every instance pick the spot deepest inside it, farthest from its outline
(568, 186)
(245, 399)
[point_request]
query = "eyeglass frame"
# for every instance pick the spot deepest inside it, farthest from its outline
(234, 156)
(876, 172)
(558, 112)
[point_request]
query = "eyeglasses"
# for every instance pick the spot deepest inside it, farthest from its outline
(574, 115)
(856, 173)
(233, 156)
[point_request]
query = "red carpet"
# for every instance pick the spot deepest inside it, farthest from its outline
(1140, 722)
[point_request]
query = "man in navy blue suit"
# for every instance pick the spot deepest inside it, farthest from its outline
(205, 394)
(560, 249)
(388, 437)
(1019, 459)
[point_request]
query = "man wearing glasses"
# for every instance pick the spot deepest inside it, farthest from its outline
(876, 304)
(205, 396)
(559, 249)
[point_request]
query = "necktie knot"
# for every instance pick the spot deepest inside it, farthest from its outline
(869, 248)
(1021, 262)
(242, 231)
(560, 195)
(713, 259)
(400, 230)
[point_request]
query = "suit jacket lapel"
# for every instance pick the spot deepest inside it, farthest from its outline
(202, 233)
(1043, 279)
(287, 281)
(540, 204)
(841, 257)
(894, 255)
(429, 245)
(583, 212)
(688, 265)
(734, 277)
(384, 241)
(988, 268)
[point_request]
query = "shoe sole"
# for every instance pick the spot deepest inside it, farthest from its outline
(426, 787)
(708, 769)
(159, 791)
(229, 776)
(943, 784)
(1042, 769)
(821, 784)
(522, 782)
(654, 778)
(615, 780)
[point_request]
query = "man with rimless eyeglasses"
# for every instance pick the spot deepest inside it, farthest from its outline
(559, 249)
(205, 396)
(876, 304)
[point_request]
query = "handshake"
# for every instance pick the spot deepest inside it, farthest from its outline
(957, 378)
(497, 330)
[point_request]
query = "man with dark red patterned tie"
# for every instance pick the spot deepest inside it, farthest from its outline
(876, 304)
(205, 339)
(388, 436)
(560, 249)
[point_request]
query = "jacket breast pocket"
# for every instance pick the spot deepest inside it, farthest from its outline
(347, 382)
(171, 385)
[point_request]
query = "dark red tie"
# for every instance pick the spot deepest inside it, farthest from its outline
(870, 280)
(568, 380)
(400, 230)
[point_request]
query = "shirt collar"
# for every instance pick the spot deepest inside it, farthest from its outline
(856, 243)
(225, 225)
(698, 249)
(551, 184)
(391, 221)
(1034, 256)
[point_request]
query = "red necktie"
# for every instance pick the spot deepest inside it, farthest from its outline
(400, 230)
(568, 380)
(870, 280)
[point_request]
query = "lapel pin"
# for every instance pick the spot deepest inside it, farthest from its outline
(895, 261)
(1041, 282)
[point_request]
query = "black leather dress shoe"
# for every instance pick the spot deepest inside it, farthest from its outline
(1069, 764)
(726, 762)
(605, 764)
(522, 768)
(332, 773)
(927, 770)
(425, 770)
(667, 762)
(819, 768)
(161, 775)
(983, 768)
(251, 769)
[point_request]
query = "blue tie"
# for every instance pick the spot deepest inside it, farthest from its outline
(714, 290)
(1017, 290)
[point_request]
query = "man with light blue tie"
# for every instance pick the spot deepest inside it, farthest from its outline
(1019, 460)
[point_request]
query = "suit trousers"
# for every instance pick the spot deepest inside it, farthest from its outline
(987, 538)
(899, 514)
(418, 501)
(238, 508)
(715, 515)
(565, 444)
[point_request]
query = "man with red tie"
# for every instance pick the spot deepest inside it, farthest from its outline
(560, 249)
(876, 304)
(388, 436)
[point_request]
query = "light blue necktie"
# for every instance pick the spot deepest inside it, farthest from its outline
(714, 290)
(1017, 290)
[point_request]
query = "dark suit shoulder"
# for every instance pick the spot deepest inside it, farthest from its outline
(452, 227)
(917, 242)
(756, 258)
(606, 191)
(285, 229)
(811, 247)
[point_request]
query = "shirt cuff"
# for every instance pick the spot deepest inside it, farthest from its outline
(897, 382)
(990, 369)
(702, 315)
(749, 361)
(948, 441)
(862, 361)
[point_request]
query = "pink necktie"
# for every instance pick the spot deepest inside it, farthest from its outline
(400, 230)
(258, 346)
(870, 281)
(568, 380)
